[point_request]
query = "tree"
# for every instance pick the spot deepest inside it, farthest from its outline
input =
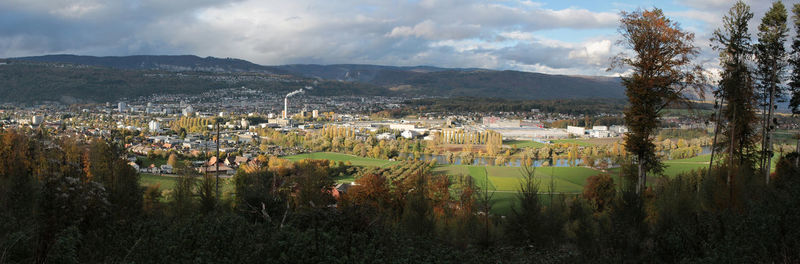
(662, 71)
(794, 84)
(771, 58)
(600, 191)
(525, 222)
(736, 88)
(172, 160)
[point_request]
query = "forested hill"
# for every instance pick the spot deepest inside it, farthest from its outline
(355, 79)
(31, 82)
(156, 62)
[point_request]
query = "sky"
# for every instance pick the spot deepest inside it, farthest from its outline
(552, 36)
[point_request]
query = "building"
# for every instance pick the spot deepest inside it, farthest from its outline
(314, 113)
(154, 126)
(409, 134)
(576, 130)
(600, 128)
(618, 129)
(37, 120)
(385, 136)
(188, 111)
(493, 121)
(401, 126)
(122, 107)
(280, 121)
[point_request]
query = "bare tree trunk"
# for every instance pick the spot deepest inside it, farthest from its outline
(640, 185)
(714, 143)
(731, 147)
(797, 151)
(767, 140)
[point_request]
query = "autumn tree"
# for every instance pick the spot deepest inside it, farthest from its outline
(662, 70)
(600, 191)
(370, 190)
(771, 60)
(736, 88)
(172, 160)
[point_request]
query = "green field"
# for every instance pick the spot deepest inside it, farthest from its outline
(523, 143)
(168, 182)
(506, 179)
(355, 160)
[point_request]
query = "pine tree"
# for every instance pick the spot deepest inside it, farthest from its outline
(771, 58)
(736, 88)
(794, 83)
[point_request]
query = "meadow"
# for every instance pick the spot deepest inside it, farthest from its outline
(332, 156)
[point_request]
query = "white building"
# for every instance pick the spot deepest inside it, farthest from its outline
(385, 136)
(188, 111)
(314, 113)
(36, 120)
(154, 126)
(600, 128)
(401, 126)
(408, 134)
(619, 129)
(576, 130)
(122, 107)
(599, 133)
(245, 124)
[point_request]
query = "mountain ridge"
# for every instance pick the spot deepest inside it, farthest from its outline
(391, 80)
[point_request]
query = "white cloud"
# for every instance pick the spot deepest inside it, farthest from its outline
(503, 34)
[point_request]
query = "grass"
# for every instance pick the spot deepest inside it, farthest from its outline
(157, 160)
(168, 182)
(523, 143)
(506, 179)
(332, 156)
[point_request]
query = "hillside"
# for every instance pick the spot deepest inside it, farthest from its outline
(159, 62)
(353, 79)
(28, 82)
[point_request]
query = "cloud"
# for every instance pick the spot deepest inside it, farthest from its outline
(502, 34)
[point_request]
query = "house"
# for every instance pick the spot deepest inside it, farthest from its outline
(166, 168)
(385, 136)
(340, 189)
(230, 161)
(239, 160)
(408, 134)
(134, 165)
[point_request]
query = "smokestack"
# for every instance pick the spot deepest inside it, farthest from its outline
(286, 100)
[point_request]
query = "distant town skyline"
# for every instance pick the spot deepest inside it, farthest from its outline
(556, 37)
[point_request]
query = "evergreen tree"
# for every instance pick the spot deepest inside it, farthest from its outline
(794, 83)
(736, 88)
(771, 58)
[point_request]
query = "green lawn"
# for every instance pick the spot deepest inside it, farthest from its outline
(506, 179)
(523, 143)
(157, 160)
(355, 160)
(168, 182)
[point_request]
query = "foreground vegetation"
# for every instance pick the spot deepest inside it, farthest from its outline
(82, 203)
